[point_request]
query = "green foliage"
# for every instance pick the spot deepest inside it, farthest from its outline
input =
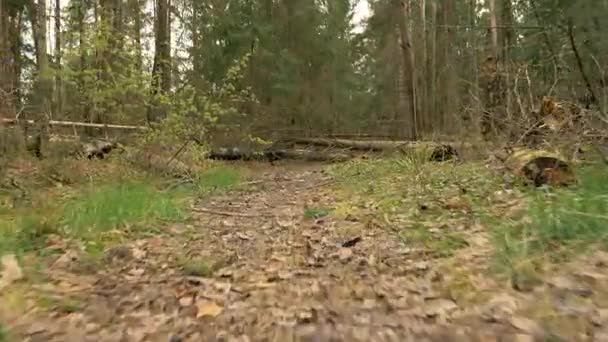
(194, 111)
(557, 224)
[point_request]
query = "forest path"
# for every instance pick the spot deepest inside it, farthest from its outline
(268, 264)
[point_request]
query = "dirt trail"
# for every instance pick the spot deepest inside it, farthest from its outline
(278, 276)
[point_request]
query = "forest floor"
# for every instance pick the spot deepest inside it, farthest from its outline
(369, 250)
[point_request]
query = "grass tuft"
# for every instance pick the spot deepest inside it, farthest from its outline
(115, 205)
(559, 223)
(199, 267)
(90, 214)
(316, 213)
(218, 179)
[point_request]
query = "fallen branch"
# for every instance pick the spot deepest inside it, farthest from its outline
(74, 124)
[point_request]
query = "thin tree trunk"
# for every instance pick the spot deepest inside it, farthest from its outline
(58, 83)
(6, 91)
(424, 118)
(86, 108)
(507, 40)
(137, 27)
(43, 86)
(15, 30)
(494, 27)
(433, 66)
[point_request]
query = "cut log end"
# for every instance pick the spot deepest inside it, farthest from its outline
(443, 153)
(548, 170)
(541, 168)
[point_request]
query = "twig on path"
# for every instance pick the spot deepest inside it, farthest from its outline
(226, 213)
(320, 185)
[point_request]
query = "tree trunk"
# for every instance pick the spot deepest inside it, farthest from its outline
(161, 72)
(16, 44)
(135, 9)
(409, 74)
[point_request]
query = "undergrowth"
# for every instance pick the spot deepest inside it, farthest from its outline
(558, 224)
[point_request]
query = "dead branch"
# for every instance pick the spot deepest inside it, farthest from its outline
(226, 213)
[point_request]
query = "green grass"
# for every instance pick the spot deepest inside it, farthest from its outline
(443, 243)
(199, 267)
(125, 205)
(559, 223)
(316, 213)
(218, 179)
(4, 334)
(115, 205)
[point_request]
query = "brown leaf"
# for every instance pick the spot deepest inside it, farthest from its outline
(208, 308)
(456, 203)
(526, 325)
(186, 301)
(439, 307)
(138, 253)
(345, 254)
(11, 271)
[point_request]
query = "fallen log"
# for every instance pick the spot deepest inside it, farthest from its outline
(99, 148)
(271, 155)
(437, 151)
(364, 145)
(540, 167)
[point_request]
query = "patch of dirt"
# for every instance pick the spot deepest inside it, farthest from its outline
(251, 266)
